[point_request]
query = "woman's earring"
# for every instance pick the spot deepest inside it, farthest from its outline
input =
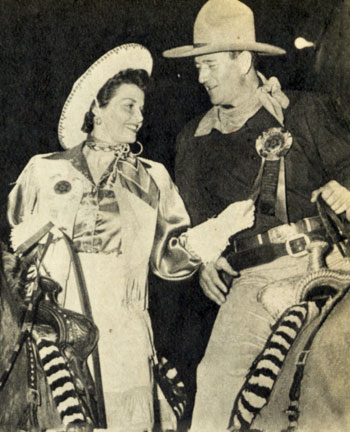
(141, 149)
(98, 120)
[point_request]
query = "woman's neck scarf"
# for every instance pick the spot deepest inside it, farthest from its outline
(132, 173)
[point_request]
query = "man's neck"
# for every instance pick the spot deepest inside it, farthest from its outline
(249, 86)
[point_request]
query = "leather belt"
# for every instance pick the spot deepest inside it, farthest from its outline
(289, 239)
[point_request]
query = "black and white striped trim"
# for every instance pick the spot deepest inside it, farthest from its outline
(60, 381)
(262, 376)
(172, 386)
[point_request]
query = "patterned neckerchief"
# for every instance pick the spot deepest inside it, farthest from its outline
(228, 120)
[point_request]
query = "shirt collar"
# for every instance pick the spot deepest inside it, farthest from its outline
(268, 95)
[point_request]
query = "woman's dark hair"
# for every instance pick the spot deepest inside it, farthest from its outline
(139, 77)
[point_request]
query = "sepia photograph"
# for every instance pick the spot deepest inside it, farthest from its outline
(175, 216)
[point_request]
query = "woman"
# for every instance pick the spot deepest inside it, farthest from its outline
(122, 214)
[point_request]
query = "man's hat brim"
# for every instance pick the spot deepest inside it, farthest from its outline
(202, 49)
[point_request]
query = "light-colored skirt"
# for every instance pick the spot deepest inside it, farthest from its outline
(126, 347)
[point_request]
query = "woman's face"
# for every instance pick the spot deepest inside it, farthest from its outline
(122, 118)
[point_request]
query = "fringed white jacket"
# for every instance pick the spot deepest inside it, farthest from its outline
(152, 214)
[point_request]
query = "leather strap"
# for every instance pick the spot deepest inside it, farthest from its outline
(273, 235)
(33, 393)
(337, 226)
(87, 310)
(35, 238)
(28, 318)
(269, 252)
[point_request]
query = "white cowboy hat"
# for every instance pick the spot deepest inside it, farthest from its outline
(223, 25)
(85, 89)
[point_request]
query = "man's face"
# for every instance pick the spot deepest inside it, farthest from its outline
(221, 77)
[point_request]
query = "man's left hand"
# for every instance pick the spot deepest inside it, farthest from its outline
(210, 281)
(336, 196)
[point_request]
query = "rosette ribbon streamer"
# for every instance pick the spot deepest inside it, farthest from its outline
(270, 183)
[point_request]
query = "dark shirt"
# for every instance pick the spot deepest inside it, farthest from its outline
(215, 170)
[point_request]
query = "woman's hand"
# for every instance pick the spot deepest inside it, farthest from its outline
(211, 282)
(208, 240)
(238, 216)
(336, 196)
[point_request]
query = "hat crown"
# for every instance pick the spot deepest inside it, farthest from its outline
(223, 25)
(86, 88)
(224, 21)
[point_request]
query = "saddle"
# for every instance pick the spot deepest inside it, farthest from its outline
(315, 297)
(73, 337)
(52, 344)
(76, 334)
(51, 350)
(56, 343)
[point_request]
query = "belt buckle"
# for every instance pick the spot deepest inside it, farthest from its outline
(297, 245)
(282, 233)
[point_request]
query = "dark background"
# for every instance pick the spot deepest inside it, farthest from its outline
(47, 44)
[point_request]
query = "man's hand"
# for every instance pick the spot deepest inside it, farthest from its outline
(336, 196)
(210, 281)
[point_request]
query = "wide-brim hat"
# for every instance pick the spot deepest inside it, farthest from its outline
(223, 25)
(85, 89)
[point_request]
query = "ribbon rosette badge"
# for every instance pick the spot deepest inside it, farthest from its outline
(62, 187)
(274, 144)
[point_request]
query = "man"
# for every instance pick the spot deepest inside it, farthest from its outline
(256, 142)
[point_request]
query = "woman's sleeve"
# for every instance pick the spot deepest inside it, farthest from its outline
(22, 197)
(179, 250)
(169, 259)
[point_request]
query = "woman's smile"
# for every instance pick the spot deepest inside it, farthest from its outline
(122, 118)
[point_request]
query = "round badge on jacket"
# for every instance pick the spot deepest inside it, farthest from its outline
(62, 187)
